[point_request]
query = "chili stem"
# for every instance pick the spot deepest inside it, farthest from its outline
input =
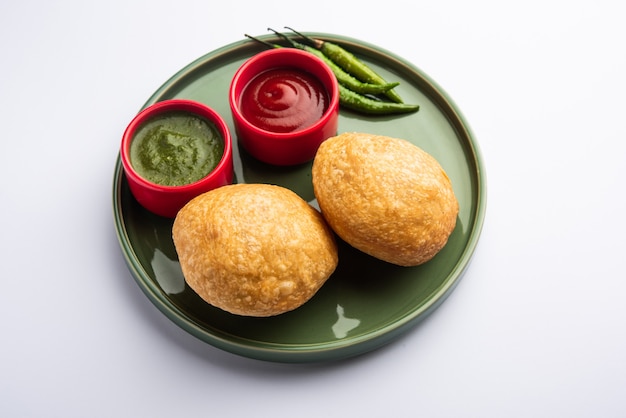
(269, 45)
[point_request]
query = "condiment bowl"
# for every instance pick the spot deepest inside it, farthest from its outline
(167, 200)
(275, 145)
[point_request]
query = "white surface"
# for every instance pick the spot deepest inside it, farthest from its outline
(537, 327)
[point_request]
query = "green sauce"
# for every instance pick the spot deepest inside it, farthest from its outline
(176, 149)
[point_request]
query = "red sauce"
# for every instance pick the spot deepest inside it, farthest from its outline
(284, 100)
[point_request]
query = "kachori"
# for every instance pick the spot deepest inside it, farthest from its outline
(385, 196)
(254, 249)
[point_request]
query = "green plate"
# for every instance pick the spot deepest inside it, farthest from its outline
(366, 303)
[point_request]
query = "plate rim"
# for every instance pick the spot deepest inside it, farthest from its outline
(334, 350)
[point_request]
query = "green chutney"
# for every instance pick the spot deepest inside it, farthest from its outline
(176, 148)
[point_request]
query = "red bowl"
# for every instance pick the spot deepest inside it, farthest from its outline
(284, 148)
(168, 200)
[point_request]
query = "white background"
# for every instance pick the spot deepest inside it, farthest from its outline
(537, 326)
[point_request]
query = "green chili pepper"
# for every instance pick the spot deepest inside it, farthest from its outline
(351, 82)
(350, 63)
(342, 77)
(358, 102)
(364, 104)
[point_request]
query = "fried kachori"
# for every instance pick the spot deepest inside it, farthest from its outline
(254, 249)
(385, 196)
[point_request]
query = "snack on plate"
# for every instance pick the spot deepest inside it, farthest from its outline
(254, 249)
(385, 196)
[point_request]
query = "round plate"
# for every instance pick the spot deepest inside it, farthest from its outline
(366, 303)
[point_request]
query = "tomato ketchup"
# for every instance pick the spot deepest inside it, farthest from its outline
(284, 100)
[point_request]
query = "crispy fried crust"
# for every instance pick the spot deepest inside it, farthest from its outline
(385, 197)
(254, 249)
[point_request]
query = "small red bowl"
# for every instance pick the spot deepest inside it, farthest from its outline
(168, 200)
(284, 148)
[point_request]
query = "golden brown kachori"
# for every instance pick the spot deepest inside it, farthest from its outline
(385, 196)
(254, 249)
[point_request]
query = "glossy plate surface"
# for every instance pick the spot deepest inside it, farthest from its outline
(366, 303)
